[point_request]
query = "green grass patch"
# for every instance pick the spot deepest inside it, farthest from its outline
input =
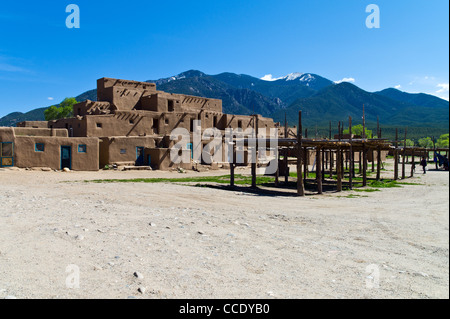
(352, 196)
(383, 183)
(367, 190)
(225, 179)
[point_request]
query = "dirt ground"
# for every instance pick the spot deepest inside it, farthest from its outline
(61, 237)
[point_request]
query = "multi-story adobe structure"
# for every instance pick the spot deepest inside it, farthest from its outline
(129, 124)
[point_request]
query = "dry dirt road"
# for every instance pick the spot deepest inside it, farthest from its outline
(61, 237)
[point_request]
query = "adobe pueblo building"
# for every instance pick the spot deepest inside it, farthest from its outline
(129, 125)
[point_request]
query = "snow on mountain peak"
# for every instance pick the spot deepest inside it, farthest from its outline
(293, 76)
(303, 77)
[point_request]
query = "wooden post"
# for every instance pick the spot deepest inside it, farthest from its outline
(378, 163)
(373, 159)
(360, 163)
(396, 156)
(404, 157)
(277, 173)
(413, 163)
(352, 157)
(434, 154)
(305, 163)
(319, 170)
(285, 126)
(232, 166)
(331, 163)
(323, 164)
(364, 164)
(338, 168)
(347, 155)
(300, 184)
(255, 153)
(364, 123)
(286, 166)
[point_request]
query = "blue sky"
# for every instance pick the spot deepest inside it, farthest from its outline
(42, 61)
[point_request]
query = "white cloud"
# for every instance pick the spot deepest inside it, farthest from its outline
(350, 80)
(443, 88)
(50, 98)
(443, 91)
(398, 87)
(269, 77)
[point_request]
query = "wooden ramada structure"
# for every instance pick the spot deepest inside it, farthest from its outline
(336, 156)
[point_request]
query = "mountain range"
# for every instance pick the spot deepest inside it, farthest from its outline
(320, 100)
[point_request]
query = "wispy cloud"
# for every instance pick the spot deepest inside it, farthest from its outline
(398, 87)
(5, 67)
(12, 65)
(50, 98)
(350, 80)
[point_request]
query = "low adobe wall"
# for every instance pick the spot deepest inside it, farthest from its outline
(25, 154)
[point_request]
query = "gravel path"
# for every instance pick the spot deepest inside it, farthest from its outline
(135, 240)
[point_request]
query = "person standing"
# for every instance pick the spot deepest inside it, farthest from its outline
(424, 164)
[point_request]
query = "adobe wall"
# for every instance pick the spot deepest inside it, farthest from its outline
(161, 102)
(89, 107)
(189, 103)
(25, 154)
(7, 134)
(33, 124)
(160, 159)
(77, 124)
(120, 150)
(27, 131)
(123, 94)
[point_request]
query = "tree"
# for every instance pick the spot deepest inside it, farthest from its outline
(61, 111)
(426, 142)
(357, 130)
(409, 142)
(442, 142)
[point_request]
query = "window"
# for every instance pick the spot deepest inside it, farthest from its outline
(239, 124)
(131, 122)
(99, 125)
(123, 151)
(82, 148)
(39, 147)
(155, 126)
(170, 105)
(167, 121)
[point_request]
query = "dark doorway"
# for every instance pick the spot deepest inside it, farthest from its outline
(155, 126)
(171, 106)
(66, 157)
(139, 156)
